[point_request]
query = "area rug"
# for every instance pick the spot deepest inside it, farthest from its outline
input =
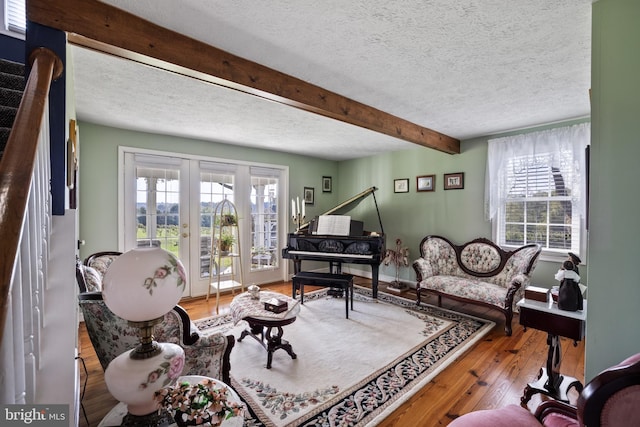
(348, 372)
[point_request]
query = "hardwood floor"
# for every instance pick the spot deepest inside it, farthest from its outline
(492, 374)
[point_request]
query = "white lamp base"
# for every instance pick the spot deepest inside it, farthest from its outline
(134, 382)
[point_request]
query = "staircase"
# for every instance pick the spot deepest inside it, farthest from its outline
(11, 87)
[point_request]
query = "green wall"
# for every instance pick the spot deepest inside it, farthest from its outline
(614, 286)
(98, 192)
(455, 214)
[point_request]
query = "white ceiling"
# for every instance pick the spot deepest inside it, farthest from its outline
(465, 68)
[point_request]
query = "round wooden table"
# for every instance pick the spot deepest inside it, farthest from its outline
(265, 326)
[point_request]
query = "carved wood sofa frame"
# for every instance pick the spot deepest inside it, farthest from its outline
(477, 272)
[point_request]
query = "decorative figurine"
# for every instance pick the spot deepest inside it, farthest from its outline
(569, 295)
(254, 291)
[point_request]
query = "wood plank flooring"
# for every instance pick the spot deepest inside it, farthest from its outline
(492, 374)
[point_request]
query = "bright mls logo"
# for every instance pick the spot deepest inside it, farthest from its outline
(35, 415)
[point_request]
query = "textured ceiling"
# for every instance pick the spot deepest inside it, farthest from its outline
(464, 68)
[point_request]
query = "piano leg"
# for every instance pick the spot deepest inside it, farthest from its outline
(374, 280)
(335, 267)
(297, 264)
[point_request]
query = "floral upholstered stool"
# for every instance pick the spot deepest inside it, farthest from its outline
(262, 322)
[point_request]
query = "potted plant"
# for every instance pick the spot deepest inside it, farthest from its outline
(226, 242)
(228, 219)
(197, 404)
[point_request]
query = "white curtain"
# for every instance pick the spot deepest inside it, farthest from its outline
(565, 149)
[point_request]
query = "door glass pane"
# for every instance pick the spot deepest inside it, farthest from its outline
(158, 208)
(214, 188)
(264, 223)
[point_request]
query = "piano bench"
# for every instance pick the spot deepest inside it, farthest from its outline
(343, 281)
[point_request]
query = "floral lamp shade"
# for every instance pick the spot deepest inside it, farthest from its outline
(144, 284)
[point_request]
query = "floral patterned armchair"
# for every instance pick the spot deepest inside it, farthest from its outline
(205, 354)
(89, 273)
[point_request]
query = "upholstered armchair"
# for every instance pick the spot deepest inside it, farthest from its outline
(612, 398)
(110, 335)
(89, 273)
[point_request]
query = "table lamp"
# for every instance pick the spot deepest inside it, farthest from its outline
(141, 286)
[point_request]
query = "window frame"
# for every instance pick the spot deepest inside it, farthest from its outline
(11, 11)
(546, 152)
(548, 254)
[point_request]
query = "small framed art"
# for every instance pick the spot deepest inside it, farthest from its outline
(401, 185)
(454, 181)
(309, 195)
(326, 184)
(426, 183)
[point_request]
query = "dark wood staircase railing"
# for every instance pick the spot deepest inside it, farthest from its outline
(17, 165)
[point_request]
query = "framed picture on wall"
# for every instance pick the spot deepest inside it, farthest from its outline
(401, 185)
(426, 183)
(454, 181)
(309, 195)
(326, 184)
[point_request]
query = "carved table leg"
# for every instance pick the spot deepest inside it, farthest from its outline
(269, 340)
(274, 342)
(550, 382)
(253, 331)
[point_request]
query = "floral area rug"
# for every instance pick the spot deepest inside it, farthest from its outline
(348, 372)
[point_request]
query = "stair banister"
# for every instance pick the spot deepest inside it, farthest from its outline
(17, 166)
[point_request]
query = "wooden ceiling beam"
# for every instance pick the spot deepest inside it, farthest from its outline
(101, 26)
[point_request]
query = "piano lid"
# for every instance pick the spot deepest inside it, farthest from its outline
(350, 204)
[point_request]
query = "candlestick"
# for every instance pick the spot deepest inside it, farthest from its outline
(297, 214)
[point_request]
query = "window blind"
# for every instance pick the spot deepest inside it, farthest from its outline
(16, 16)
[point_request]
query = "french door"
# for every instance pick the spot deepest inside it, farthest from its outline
(170, 200)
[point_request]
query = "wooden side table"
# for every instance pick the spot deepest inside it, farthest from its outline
(547, 317)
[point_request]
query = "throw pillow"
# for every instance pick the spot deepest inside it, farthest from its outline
(92, 279)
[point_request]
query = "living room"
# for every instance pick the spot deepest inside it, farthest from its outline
(455, 214)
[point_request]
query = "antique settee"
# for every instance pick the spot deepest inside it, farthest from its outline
(478, 272)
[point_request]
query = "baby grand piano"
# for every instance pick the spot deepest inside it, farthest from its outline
(359, 247)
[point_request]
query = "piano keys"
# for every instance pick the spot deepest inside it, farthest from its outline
(359, 247)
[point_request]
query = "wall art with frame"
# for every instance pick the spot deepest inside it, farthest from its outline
(426, 183)
(454, 181)
(326, 184)
(309, 195)
(401, 185)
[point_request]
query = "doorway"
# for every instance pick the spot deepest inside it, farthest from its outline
(169, 201)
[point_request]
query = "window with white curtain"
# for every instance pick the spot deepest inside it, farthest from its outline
(535, 189)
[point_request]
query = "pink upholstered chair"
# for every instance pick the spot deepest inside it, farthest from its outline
(611, 399)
